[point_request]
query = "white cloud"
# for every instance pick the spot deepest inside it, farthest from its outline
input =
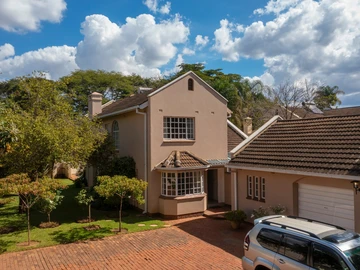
(27, 15)
(139, 46)
(55, 61)
(165, 9)
(6, 51)
(201, 41)
(276, 6)
(316, 40)
(153, 5)
(266, 79)
(187, 51)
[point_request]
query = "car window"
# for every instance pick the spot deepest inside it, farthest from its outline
(354, 256)
(295, 248)
(326, 259)
(269, 239)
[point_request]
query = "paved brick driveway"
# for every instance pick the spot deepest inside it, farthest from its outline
(194, 243)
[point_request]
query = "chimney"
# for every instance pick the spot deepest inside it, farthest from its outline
(94, 104)
(247, 125)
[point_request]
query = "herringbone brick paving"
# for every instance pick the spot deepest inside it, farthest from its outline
(194, 243)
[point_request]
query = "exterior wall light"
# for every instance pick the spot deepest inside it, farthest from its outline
(356, 186)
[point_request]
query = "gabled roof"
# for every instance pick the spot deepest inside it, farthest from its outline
(123, 104)
(235, 136)
(343, 111)
(326, 146)
(182, 160)
(130, 103)
(183, 76)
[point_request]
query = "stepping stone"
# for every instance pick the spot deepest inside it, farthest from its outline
(167, 226)
(153, 225)
(141, 225)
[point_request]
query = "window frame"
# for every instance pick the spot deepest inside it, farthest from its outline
(262, 188)
(177, 128)
(115, 134)
(187, 183)
(191, 84)
(256, 188)
(250, 190)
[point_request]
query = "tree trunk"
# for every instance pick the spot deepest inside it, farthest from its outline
(89, 213)
(22, 207)
(48, 217)
(28, 224)
(121, 201)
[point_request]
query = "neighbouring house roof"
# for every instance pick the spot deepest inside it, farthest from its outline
(326, 145)
(343, 111)
(182, 160)
(217, 162)
(234, 135)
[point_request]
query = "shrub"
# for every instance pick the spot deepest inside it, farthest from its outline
(278, 209)
(260, 212)
(271, 210)
(236, 215)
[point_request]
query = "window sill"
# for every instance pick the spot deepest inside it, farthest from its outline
(255, 199)
(177, 141)
(185, 197)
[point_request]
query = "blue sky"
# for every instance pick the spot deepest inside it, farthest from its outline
(274, 40)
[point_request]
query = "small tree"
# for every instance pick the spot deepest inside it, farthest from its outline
(122, 187)
(47, 205)
(31, 192)
(84, 197)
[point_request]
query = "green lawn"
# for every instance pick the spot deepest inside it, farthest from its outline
(66, 214)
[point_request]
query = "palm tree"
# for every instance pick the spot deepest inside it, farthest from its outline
(327, 96)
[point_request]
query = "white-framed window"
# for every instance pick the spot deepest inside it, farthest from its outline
(182, 183)
(249, 186)
(176, 128)
(115, 134)
(256, 188)
(262, 188)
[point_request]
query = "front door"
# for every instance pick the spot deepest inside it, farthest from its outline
(212, 187)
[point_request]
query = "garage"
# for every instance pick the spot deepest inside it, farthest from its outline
(327, 204)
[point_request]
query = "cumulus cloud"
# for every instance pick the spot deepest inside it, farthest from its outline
(201, 41)
(266, 79)
(27, 15)
(6, 51)
(153, 5)
(139, 46)
(54, 61)
(316, 40)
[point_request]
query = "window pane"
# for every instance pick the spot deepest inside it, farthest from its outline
(178, 128)
(326, 259)
(295, 248)
(269, 239)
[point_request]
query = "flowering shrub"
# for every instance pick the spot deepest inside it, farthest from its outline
(271, 210)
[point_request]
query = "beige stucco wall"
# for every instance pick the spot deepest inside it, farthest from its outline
(131, 136)
(182, 205)
(210, 113)
(282, 189)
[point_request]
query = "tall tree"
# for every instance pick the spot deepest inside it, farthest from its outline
(327, 96)
(48, 131)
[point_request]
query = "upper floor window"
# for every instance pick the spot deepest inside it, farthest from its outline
(115, 134)
(190, 84)
(181, 128)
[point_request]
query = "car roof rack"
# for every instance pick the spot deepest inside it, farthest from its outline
(267, 222)
(317, 221)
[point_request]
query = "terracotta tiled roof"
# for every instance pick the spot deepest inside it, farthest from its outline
(233, 138)
(125, 103)
(327, 145)
(182, 159)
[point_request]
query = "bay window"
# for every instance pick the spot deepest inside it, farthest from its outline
(182, 183)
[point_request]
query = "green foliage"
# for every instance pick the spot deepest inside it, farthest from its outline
(47, 129)
(122, 187)
(113, 85)
(327, 97)
(47, 205)
(236, 215)
(271, 210)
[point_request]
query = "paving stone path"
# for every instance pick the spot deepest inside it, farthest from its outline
(187, 244)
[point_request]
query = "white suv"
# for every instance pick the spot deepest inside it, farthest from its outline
(287, 242)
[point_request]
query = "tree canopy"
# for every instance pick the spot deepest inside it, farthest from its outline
(327, 96)
(47, 129)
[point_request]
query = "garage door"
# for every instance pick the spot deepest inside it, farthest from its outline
(327, 204)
